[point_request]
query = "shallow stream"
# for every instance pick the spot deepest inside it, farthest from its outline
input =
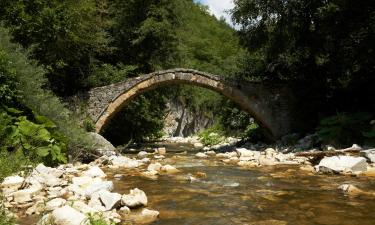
(232, 195)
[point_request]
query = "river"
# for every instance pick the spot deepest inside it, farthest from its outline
(233, 195)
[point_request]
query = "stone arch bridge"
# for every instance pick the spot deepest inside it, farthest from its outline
(270, 105)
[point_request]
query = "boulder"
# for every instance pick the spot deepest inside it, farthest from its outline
(201, 155)
(13, 182)
(66, 215)
(243, 152)
(142, 154)
(84, 208)
(94, 171)
(342, 164)
(126, 162)
(265, 161)
(109, 200)
(145, 216)
(54, 204)
(26, 195)
(198, 145)
(102, 146)
(161, 151)
(98, 186)
(154, 167)
(82, 181)
(136, 198)
(42, 169)
(169, 169)
(369, 154)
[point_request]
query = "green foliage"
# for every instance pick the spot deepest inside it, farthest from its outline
(5, 219)
(143, 118)
(212, 136)
(345, 129)
(39, 140)
(67, 37)
(106, 74)
(327, 48)
(99, 219)
(43, 103)
(89, 125)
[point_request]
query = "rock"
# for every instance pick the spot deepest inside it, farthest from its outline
(109, 200)
(118, 176)
(227, 155)
(142, 154)
(342, 164)
(270, 153)
(42, 169)
(264, 161)
(46, 220)
(159, 156)
(146, 216)
(13, 182)
(37, 208)
(98, 186)
(201, 155)
(369, 154)
(161, 151)
(84, 208)
(307, 168)
(169, 169)
(26, 195)
(198, 145)
(126, 162)
(354, 147)
(210, 153)
(150, 174)
(136, 198)
(243, 152)
(351, 189)
(54, 204)
(68, 216)
(94, 171)
(154, 167)
(124, 210)
(247, 164)
(82, 181)
(102, 146)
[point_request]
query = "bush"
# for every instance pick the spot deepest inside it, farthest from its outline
(213, 135)
(345, 129)
(29, 83)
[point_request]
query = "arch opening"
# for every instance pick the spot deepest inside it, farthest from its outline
(142, 85)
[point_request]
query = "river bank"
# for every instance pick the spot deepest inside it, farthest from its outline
(110, 188)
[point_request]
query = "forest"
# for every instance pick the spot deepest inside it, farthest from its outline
(52, 50)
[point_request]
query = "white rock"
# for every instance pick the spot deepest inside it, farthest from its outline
(68, 216)
(201, 155)
(169, 169)
(343, 164)
(109, 200)
(13, 182)
(48, 170)
(142, 154)
(94, 171)
(198, 145)
(84, 208)
(159, 156)
(126, 162)
(124, 210)
(264, 161)
(136, 198)
(154, 167)
(54, 204)
(243, 152)
(103, 146)
(369, 154)
(26, 195)
(161, 151)
(98, 186)
(149, 216)
(82, 181)
(210, 153)
(145, 160)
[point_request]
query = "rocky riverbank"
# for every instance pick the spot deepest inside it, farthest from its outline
(80, 193)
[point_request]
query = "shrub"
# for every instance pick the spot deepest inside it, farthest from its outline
(213, 135)
(345, 129)
(29, 83)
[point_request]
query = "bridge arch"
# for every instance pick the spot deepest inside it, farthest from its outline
(252, 97)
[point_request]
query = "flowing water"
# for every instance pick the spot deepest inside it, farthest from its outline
(266, 195)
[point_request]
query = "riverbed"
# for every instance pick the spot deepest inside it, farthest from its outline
(229, 194)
